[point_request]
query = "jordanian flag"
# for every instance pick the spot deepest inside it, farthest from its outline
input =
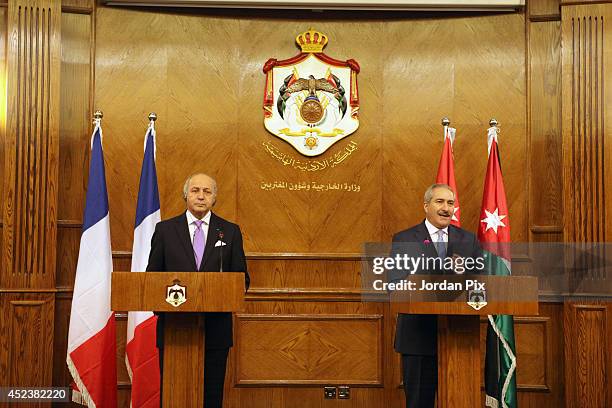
(494, 234)
(446, 170)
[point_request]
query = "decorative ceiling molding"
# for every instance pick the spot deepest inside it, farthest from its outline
(382, 5)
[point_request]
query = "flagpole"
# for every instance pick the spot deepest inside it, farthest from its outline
(98, 115)
(445, 125)
(141, 355)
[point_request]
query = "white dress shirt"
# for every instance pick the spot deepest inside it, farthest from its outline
(191, 219)
(433, 232)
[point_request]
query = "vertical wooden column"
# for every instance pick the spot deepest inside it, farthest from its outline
(27, 274)
(587, 141)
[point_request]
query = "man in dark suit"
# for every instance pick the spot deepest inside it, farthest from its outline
(195, 241)
(416, 335)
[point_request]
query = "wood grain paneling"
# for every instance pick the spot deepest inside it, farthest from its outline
(587, 337)
(281, 273)
(315, 222)
(26, 355)
(3, 108)
(586, 122)
(31, 148)
(544, 10)
(77, 6)
(309, 349)
(75, 117)
(61, 375)
(546, 196)
(532, 341)
(451, 77)
(195, 103)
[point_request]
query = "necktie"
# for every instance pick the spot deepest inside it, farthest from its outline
(441, 245)
(198, 243)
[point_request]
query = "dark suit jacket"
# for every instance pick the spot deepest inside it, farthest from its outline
(418, 334)
(172, 251)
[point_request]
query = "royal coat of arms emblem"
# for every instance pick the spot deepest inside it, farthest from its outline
(311, 100)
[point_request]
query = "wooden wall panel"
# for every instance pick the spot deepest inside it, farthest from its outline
(27, 345)
(3, 107)
(75, 116)
(586, 122)
(61, 321)
(587, 338)
(314, 313)
(309, 349)
(308, 273)
(29, 139)
(544, 10)
(78, 6)
(545, 143)
(451, 77)
(75, 133)
(315, 221)
(31, 148)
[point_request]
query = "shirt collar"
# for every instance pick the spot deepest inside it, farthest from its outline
(433, 230)
(191, 218)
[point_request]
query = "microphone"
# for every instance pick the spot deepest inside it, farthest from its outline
(220, 238)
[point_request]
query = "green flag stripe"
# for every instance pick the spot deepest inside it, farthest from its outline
(503, 326)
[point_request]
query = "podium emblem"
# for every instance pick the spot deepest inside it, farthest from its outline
(477, 299)
(176, 294)
(311, 100)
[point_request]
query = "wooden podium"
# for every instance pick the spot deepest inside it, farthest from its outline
(183, 379)
(459, 372)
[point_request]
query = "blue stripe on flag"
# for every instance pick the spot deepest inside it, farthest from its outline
(96, 200)
(148, 194)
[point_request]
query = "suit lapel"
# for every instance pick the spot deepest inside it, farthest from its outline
(182, 231)
(423, 237)
(455, 238)
(211, 240)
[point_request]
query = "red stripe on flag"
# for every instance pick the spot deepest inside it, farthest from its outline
(143, 357)
(96, 363)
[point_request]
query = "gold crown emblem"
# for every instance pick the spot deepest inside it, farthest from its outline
(311, 41)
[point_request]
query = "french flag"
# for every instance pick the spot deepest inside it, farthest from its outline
(92, 344)
(141, 357)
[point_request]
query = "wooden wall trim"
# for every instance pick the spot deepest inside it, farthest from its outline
(584, 3)
(545, 17)
(587, 157)
(546, 229)
(274, 255)
(31, 144)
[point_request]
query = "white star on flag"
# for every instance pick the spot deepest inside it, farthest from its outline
(494, 220)
(454, 218)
